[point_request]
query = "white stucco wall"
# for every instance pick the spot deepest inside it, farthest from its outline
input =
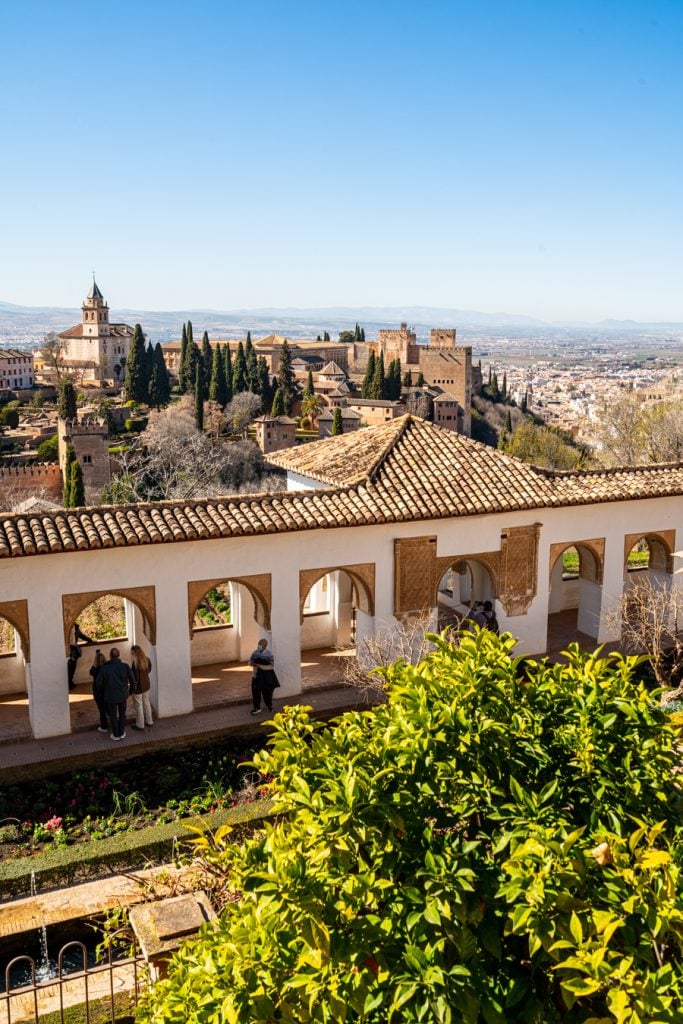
(42, 580)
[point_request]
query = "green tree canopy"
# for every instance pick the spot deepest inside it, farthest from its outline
(66, 402)
(77, 487)
(499, 843)
(239, 371)
(337, 422)
(228, 369)
(285, 377)
(159, 384)
(278, 406)
(218, 388)
(182, 362)
(199, 397)
(207, 359)
(366, 387)
(544, 446)
(378, 387)
(137, 382)
(309, 390)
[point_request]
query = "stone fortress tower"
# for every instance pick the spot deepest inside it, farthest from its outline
(90, 441)
(97, 348)
(443, 363)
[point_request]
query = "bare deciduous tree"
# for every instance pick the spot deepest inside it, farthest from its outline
(650, 616)
(53, 349)
(241, 412)
(172, 459)
(632, 434)
(405, 641)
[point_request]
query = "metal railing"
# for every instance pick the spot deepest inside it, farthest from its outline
(108, 990)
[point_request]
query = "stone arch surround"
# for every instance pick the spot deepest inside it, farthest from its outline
(661, 543)
(259, 586)
(16, 613)
(363, 575)
(143, 597)
(591, 568)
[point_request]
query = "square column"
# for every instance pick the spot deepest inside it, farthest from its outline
(609, 628)
(286, 631)
(46, 676)
(173, 663)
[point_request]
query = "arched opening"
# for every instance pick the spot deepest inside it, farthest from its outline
(14, 684)
(337, 610)
(227, 619)
(100, 622)
(466, 581)
(575, 597)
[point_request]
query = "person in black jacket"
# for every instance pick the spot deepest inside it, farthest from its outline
(75, 652)
(118, 682)
(263, 678)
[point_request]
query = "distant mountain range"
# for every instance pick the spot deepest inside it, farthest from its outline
(25, 322)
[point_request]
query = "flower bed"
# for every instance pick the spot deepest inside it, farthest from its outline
(99, 803)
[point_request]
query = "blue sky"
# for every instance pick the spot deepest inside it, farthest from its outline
(493, 155)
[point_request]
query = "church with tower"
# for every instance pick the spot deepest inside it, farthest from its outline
(96, 349)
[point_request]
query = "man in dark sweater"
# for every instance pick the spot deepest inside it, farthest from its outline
(117, 681)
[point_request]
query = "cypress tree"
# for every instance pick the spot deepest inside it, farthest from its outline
(207, 359)
(199, 398)
(309, 390)
(362, 334)
(407, 379)
(218, 391)
(194, 360)
(495, 393)
(379, 385)
(66, 405)
(490, 374)
(182, 362)
(248, 342)
(278, 406)
(318, 338)
(356, 333)
(228, 371)
(393, 382)
(77, 490)
(366, 388)
(252, 370)
(326, 336)
(159, 385)
(67, 475)
(505, 385)
(265, 389)
(525, 403)
(239, 372)
(285, 377)
(420, 382)
(508, 423)
(149, 363)
(337, 423)
(190, 337)
(137, 384)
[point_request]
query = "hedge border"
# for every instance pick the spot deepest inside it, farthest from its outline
(126, 850)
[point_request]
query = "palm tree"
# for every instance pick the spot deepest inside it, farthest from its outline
(310, 408)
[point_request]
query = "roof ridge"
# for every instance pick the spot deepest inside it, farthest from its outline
(404, 422)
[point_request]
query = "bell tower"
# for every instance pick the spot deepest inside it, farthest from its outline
(95, 314)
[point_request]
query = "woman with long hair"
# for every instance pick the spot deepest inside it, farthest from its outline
(98, 692)
(141, 669)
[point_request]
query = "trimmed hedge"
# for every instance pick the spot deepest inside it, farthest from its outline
(127, 850)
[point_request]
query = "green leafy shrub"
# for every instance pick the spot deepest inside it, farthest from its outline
(498, 843)
(135, 424)
(47, 450)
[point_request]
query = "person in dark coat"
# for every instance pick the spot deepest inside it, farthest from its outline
(75, 652)
(263, 678)
(118, 682)
(98, 696)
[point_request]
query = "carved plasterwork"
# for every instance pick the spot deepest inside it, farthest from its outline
(259, 586)
(518, 568)
(415, 575)
(363, 575)
(16, 613)
(458, 563)
(591, 558)
(661, 544)
(143, 597)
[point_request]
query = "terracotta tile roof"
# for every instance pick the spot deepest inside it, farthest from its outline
(115, 330)
(403, 470)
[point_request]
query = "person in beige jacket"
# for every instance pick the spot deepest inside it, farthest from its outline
(141, 669)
